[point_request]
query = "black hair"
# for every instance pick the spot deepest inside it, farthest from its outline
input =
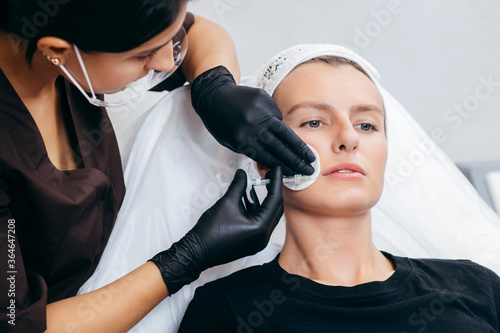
(3, 12)
(93, 25)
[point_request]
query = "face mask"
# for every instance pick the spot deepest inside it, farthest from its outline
(137, 88)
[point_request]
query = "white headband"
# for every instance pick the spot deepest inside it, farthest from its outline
(270, 75)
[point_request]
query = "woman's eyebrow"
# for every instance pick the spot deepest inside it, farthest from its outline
(314, 105)
(327, 107)
(367, 107)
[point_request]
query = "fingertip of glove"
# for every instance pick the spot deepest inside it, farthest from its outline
(310, 156)
(276, 177)
(239, 174)
(308, 170)
(239, 182)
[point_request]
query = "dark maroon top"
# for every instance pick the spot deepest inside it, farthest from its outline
(54, 224)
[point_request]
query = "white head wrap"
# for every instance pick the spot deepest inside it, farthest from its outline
(270, 75)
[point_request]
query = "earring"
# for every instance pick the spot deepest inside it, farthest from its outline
(54, 61)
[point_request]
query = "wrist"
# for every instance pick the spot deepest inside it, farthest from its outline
(179, 265)
(204, 84)
(212, 73)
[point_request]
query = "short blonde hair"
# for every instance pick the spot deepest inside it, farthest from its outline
(337, 61)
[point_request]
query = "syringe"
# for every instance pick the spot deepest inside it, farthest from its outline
(295, 179)
(296, 182)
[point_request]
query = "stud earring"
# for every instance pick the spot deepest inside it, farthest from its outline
(54, 61)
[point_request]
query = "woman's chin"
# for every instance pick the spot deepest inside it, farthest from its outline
(341, 204)
(114, 91)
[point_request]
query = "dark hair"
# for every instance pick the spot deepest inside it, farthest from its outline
(93, 25)
(3, 13)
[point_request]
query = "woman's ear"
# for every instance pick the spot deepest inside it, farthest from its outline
(262, 170)
(55, 48)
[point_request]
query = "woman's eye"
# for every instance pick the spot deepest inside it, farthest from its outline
(365, 127)
(312, 124)
(147, 57)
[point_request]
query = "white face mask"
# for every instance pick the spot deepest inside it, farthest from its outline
(137, 88)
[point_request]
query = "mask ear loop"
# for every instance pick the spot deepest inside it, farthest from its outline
(82, 65)
(179, 45)
(80, 60)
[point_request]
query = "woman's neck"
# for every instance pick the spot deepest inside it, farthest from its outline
(31, 81)
(333, 250)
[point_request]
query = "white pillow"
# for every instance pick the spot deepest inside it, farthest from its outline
(493, 184)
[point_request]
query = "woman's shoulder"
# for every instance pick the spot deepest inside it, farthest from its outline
(450, 266)
(249, 281)
(461, 275)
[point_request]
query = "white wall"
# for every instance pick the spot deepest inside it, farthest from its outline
(433, 55)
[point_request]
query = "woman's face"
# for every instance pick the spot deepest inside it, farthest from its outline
(339, 111)
(112, 72)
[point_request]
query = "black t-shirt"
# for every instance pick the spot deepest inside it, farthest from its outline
(423, 295)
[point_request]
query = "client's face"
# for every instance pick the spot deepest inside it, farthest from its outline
(339, 111)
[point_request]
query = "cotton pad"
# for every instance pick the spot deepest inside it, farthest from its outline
(294, 183)
(309, 180)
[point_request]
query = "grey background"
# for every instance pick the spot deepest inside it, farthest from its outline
(433, 55)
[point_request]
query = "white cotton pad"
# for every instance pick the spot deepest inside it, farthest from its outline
(311, 179)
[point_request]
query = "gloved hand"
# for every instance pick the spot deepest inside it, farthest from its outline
(248, 121)
(225, 232)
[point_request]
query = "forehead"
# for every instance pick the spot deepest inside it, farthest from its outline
(343, 86)
(165, 36)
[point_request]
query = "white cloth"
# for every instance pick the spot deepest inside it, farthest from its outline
(427, 209)
(271, 73)
(171, 180)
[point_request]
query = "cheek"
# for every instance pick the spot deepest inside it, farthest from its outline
(305, 200)
(378, 157)
(108, 76)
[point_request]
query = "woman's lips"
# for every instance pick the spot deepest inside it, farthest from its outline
(345, 170)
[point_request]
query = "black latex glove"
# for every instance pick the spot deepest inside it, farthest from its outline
(248, 121)
(225, 232)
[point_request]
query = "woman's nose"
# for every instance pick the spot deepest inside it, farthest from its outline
(163, 60)
(346, 139)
